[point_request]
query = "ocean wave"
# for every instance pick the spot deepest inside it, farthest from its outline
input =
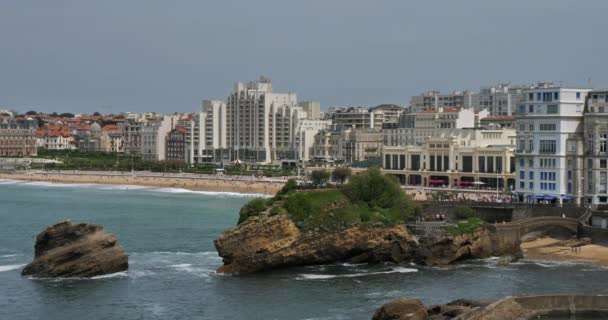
(209, 193)
(111, 275)
(11, 267)
(188, 268)
(353, 275)
(11, 255)
(9, 181)
(59, 185)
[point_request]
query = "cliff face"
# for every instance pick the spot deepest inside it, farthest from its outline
(268, 242)
(263, 242)
(482, 243)
(76, 250)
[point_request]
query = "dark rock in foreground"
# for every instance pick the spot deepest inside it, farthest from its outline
(402, 309)
(76, 250)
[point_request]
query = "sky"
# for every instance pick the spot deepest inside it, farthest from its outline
(115, 56)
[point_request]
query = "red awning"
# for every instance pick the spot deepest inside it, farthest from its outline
(464, 182)
(436, 181)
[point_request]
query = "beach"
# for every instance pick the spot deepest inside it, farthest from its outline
(218, 183)
(548, 248)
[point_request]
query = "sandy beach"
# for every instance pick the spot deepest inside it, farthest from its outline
(553, 249)
(268, 186)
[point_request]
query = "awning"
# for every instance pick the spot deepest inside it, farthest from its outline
(567, 197)
(479, 182)
(464, 182)
(549, 197)
(539, 197)
(436, 181)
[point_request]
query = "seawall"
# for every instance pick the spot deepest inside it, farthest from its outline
(186, 181)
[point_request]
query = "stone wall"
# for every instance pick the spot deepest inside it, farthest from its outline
(597, 235)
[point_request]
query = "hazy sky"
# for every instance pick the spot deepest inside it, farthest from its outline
(138, 55)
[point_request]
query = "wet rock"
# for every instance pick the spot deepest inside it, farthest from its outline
(76, 250)
(402, 309)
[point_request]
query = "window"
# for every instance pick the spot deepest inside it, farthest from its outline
(538, 96)
(531, 185)
(531, 175)
(603, 163)
(522, 175)
(522, 185)
(531, 108)
(531, 163)
(578, 95)
(569, 174)
(522, 163)
(531, 145)
(569, 187)
(548, 146)
(531, 127)
(552, 109)
(530, 96)
(547, 127)
(603, 142)
(522, 127)
(602, 188)
(555, 95)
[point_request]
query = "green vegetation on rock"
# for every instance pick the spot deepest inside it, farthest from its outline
(471, 225)
(368, 199)
(464, 212)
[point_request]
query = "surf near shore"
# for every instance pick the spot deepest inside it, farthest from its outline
(237, 184)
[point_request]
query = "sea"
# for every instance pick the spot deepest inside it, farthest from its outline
(168, 234)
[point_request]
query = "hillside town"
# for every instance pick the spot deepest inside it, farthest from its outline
(541, 142)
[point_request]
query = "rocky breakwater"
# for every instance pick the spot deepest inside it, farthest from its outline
(67, 249)
(413, 309)
(267, 242)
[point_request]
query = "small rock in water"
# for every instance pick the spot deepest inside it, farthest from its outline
(76, 250)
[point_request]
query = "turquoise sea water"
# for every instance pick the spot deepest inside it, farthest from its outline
(169, 234)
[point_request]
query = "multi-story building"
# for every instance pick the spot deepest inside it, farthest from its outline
(18, 137)
(306, 131)
(391, 112)
(153, 132)
(432, 100)
(312, 109)
(176, 144)
(456, 157)
(347, 145)
(112, 138)
(428, 122)
(206, 140)
(355, 117)
(132, 134)
(55, 138)
(499, 100)
(549, 125)
(594, 177)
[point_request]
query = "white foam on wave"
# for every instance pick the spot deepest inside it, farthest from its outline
(11, 267)
(354, 275)
(59, 185)
(210, 193)
(11, 255)
(9, 181)
(188, 268)
(111, 275)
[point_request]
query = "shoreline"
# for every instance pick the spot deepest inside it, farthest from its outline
(195, 182)
(550, 249)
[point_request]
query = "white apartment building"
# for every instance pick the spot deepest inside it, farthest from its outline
(595, 146)
(206, 140)
(262, 126)
(312, 109)
(153, 131)
(499, 100)
(549, 125)
(355, 117)
(306, 131)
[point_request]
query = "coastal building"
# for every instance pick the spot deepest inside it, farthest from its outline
(111, 138)
(594, 176)
(428, 122)
(433, 100)
(391, 112)
(90, 140)
(347, 145)
(306, 131)
(312, 109)
(18, 136)
(465, 157)
(500, 100)
(132, 134)
(355, 117)
(176, 144)
(55, 138)
(549, 154)
(153, 133)
(206, 139)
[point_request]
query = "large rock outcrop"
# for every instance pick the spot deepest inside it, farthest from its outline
(444, 249)
(268, 242)
(402, 309)
(76, 250)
